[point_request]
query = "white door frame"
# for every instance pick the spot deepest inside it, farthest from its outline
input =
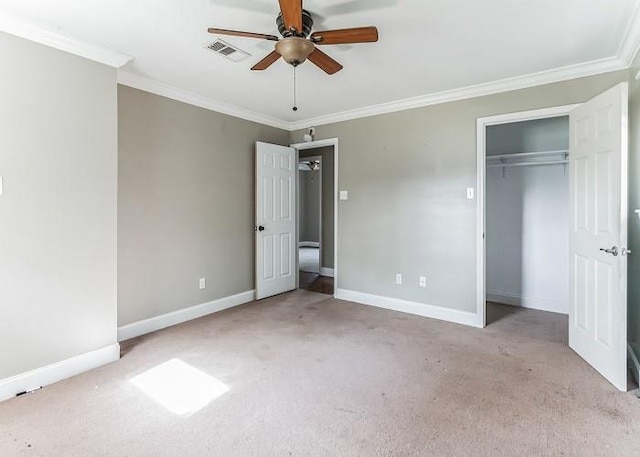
(314, 145)
(481, 132)
(320, 215)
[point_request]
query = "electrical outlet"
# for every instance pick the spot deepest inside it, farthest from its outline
(423, 281)
(398, 279)
(203, 283)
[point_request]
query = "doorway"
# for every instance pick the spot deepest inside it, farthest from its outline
(317, 215)
(527, 217)
(309, 214)
(505, 184)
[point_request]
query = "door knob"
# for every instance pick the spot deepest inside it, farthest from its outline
(613, 251)
(261, 228)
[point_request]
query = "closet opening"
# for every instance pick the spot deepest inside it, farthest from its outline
(526, 215)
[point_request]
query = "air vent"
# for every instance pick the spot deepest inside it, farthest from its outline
(227, 50)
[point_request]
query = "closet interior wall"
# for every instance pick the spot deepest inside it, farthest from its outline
(527, 215)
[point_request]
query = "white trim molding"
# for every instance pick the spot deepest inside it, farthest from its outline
(130, 79)
(308, 244)
(404, 306)
(183, 315)
(40, 377)
(524, 301)
(622, 60)
(494, 87)
(634, 364)
(630, 44)
(23, 29)
(327, 272)
(596, 67)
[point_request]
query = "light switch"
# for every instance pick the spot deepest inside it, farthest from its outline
(344, 195)
(470, 193)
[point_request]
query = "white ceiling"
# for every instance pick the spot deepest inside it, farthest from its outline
(426, 47)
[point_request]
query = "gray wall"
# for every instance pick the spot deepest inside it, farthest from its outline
(529, 136)
(185, 204)
(526, 208)
(328, 192)
(58, 132)
(406, 174)
(309, 199)
(634, 222)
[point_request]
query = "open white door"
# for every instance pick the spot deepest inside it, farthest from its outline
(276, 170)
(598, 238)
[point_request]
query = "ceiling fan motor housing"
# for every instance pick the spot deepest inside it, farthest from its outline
(307, 25)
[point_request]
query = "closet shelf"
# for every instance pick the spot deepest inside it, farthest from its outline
(522, 159)
(527, 164)
(527, 154)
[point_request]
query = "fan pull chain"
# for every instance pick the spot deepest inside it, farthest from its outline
(295, 108)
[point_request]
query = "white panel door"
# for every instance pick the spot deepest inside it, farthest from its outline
(275, 219)
(598, 237)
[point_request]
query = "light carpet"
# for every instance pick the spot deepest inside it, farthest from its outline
(313, 376)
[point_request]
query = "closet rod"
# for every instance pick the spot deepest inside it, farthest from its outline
(527, 164)
(527, 154)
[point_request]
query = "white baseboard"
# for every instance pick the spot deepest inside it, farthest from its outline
(58, 371)
(308, 244)
(634, 364)
(404, 306)
(183, 315)
(539, 303)
(326, 272)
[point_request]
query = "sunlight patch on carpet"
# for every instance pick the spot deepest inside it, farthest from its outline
(179, 387)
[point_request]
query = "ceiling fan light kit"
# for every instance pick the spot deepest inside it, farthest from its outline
(294, 50)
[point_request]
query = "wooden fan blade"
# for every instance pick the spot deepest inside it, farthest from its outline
(266, 62)
(325, 62)
(292, 14)
(346, 36)
(243, 34)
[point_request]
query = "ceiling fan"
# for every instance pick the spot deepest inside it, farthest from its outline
(295, 24)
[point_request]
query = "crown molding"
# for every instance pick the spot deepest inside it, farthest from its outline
(630, 44)
(627, 52)
(479, 90)
(127, 78)
(23, 29)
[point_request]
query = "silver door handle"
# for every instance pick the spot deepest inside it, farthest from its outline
(613, 251)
